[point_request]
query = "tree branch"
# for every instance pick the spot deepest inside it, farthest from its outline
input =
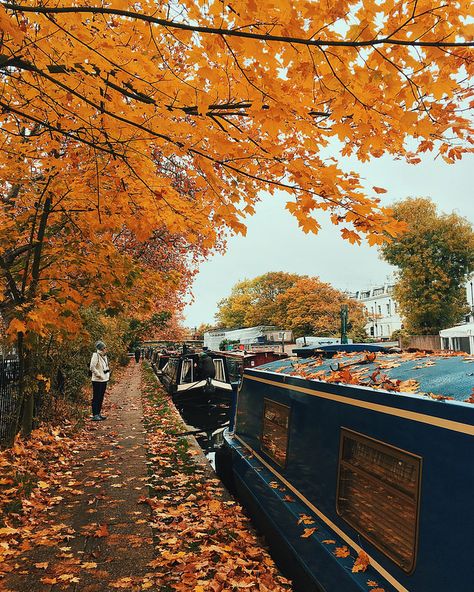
(229, 32)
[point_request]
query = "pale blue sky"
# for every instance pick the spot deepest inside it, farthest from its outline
(275, 243)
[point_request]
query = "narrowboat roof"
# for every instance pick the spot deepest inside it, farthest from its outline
(439, 375)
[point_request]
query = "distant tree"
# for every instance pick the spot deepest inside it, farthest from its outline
(312, 307)
(435, 257)
(253, 302)
(231, 311)
(198, 333)
(265, 291)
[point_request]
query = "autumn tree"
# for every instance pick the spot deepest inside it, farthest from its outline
(198, 332)
(435, 258)
(241, 97)
(253, 302)
(59, 253)
(312, 307)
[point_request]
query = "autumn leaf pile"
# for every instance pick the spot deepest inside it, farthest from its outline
(204, 543)
(33, 474)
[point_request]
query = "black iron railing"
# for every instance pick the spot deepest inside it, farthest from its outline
(10, 403)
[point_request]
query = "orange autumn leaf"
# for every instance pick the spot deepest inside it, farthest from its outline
(89, 565)
(342, 551)
(305, 519)
(125, 582)
(329, 542)
(308, 532)
(379, 189)
(102, 531)
(361, 563)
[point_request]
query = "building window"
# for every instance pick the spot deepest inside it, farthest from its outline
(379, 309)
(378, 291)
(388, 309)
(275, 430)
(378, 495)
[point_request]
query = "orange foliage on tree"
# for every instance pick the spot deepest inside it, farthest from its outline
(239, 97)
(313, 307)
(157, 123)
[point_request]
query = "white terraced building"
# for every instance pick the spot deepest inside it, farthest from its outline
(382, 311)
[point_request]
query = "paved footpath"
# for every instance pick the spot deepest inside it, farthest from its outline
(108, 542)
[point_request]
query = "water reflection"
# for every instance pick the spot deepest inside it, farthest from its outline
(207, 417)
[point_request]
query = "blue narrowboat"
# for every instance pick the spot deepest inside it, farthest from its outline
(359, 469)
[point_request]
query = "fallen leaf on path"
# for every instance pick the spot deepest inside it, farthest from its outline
(102, 531)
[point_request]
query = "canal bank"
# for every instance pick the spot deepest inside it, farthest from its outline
(117, 507)
(203, 540)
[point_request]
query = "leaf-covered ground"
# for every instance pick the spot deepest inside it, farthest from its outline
(204, 541)
(112, 507)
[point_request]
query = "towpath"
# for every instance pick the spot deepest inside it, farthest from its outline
(138, 511)
(104, 535)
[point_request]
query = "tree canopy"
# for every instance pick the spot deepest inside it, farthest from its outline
(194, 107)
(306, 305)
(435, 257)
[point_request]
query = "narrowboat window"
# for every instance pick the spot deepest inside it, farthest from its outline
(378, 495)
(275, 430)
(219, 366)
(187, 371)
(170, 369)
(234, 367)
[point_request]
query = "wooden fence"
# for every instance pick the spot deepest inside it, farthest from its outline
(423, 342)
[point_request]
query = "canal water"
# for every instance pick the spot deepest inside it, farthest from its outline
(204, 419)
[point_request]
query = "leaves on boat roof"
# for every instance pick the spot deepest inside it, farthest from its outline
(357, 368)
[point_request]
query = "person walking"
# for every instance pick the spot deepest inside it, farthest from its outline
(100, 374)
(137, 354)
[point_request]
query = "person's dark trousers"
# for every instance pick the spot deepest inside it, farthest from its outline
(98, 392)
(137, 356)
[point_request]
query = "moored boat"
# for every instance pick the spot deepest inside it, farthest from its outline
(192, 376)
(238, 360)
(359, 469)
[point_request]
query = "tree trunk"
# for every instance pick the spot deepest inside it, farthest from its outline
(26, 397)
